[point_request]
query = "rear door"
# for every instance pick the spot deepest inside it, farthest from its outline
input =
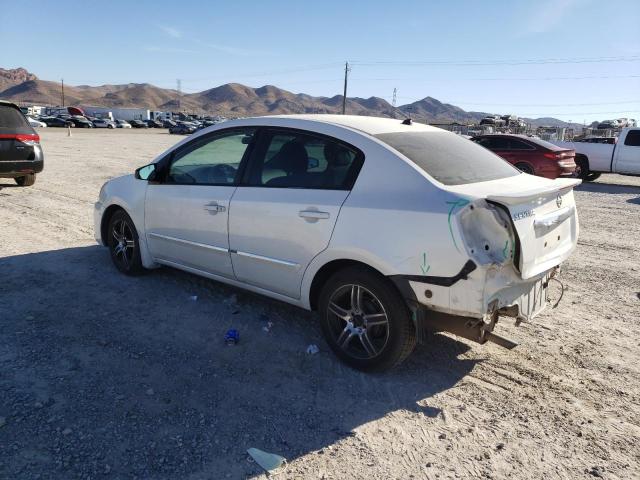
(627, 154)
(285, 213)
(16, 135)
(186, 214)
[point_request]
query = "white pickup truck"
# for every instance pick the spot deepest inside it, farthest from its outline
(593, 159)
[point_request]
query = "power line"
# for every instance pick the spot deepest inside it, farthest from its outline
(460, 102)
(507, 79)
(472, 63)
(564, 114)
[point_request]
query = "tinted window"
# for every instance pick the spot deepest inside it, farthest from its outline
(493, 143)
(519, 145)
(210, 161)
(12, 119)
(449, 158)
(291, 159)
(545, 144)
(633, 138)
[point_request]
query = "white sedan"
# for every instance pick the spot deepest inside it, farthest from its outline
(386, 227)
(36, 123)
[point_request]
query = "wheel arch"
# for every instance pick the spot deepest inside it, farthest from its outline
(583, 158)
(328, 269)
(147, 259)
(526, 163)
(106, 217)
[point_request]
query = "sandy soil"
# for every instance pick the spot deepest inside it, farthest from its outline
(108, 376)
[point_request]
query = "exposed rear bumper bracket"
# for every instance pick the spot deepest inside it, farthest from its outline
(474, 329)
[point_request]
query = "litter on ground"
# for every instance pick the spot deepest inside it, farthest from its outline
(268, 461)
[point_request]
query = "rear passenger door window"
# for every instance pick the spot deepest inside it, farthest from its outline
(498, 143)
(519, 145)
(290, 159)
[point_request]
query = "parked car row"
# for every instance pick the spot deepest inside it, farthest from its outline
(617, 123)
(503, 121)
(188, 127)
(81, 121)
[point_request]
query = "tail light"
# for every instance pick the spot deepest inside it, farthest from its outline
(560, 155)
(565, 159)
(30, 139)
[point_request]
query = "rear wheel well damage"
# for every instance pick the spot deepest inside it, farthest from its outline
(326, 271)
(104, 223)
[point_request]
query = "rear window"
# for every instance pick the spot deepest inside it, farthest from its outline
(545, 144)
(449, 158)
(633, 138)
(12, 119)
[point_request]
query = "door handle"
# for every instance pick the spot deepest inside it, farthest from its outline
(313, 214)
(213, 208)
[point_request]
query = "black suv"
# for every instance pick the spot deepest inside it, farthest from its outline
(21, 155)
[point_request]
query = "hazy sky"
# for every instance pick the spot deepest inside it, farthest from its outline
(572, 59)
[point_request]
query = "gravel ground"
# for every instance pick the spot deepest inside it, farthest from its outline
(105, 376)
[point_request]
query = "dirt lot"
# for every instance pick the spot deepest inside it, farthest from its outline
(108, 376)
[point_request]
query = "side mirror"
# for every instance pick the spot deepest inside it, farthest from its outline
(148, 172)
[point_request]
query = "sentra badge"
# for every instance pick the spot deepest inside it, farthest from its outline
(523, 214)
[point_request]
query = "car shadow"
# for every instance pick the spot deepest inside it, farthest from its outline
(133, 373)
(601, 187)
(8, 185)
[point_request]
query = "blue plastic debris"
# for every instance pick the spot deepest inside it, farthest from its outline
(231, 337)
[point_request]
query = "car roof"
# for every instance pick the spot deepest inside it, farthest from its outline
(9, 104)
(369, 125)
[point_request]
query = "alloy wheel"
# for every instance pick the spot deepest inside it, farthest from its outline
(358, 322)
(123, 243)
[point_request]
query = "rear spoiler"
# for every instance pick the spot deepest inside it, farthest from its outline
(519, 197)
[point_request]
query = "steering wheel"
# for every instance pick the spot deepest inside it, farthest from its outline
(180, 176)
(221, 173)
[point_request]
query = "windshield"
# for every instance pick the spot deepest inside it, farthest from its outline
(449, 158)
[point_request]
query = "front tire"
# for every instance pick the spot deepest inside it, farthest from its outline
(27, 180)
(365, 320)
(124, 244)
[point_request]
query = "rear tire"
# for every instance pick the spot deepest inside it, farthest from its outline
(525, 168)
(27, 180)
(124, 244)
(365, 320)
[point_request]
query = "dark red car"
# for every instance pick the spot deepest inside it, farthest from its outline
(531, 155)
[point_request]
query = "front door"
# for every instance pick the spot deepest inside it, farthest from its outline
(186, 213)
(628, 155)
(284, 216)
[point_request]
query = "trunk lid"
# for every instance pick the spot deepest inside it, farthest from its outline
(543, 214)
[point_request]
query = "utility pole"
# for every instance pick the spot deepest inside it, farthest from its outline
(62, 92)
(179, 85)
(344, 96)
(393, 102)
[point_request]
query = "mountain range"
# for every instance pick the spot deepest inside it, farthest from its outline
(231, 99)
